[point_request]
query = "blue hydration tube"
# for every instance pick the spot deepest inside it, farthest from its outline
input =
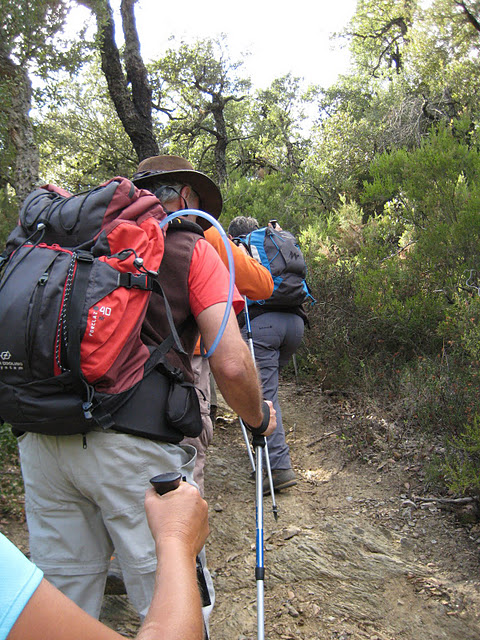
(231, 266)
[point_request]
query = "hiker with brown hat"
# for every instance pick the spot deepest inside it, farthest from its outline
(85, 495)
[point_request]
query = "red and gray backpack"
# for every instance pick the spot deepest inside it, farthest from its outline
(78, 273)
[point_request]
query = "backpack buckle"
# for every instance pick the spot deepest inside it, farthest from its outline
(87, 410)
(135, 281)
(84, 256)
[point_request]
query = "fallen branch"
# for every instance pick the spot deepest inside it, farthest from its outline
(323, 436)
(459, 501)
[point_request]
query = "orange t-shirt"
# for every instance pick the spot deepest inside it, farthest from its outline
(251, 278)
(208, 281)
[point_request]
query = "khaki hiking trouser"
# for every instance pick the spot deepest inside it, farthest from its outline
(201, 374)
(83, 502)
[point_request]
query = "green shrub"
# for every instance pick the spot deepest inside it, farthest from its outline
(461, 466)
(440, 394)
(11, 485)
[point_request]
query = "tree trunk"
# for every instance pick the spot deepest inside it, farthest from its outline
(20, 128)
(134, 107)
(21, 133)
(218, 106)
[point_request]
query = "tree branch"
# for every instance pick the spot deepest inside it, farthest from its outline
(469, 15)
(133, 108)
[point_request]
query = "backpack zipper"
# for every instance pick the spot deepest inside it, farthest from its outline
(36, 307)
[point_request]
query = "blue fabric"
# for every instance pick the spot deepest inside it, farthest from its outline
(19, 579)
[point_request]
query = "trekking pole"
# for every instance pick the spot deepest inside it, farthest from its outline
(245, 437)
(265, 445)
(163, 483)
(295, 368)
(259, 444)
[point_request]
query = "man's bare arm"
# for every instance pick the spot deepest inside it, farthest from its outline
(233, 367)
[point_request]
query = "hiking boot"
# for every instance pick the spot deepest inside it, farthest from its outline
(282, 479)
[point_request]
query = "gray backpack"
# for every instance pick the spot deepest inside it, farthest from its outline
(279, 252)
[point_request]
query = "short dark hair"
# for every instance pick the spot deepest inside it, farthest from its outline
(241, 226)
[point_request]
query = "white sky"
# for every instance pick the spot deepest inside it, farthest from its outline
(282, 37)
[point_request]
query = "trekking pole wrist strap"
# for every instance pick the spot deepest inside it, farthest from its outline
(257, 431)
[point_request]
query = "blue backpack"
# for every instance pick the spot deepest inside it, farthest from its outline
(279, 252)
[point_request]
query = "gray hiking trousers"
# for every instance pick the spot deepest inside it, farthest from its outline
(81, 503)
(276, 337)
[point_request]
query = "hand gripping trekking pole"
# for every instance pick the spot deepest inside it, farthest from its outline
(163, 483)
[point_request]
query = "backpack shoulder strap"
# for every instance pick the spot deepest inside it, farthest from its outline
(182, 224)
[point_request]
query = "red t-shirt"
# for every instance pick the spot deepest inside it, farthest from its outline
(208, 280)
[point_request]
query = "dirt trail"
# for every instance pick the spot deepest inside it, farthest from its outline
(359, 551)
(355, 552)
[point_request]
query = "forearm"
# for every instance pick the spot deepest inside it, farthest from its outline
(179, 524)
(241, 388)
(175, 611)
(232, 365)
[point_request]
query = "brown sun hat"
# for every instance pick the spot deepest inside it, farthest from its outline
(180, 170)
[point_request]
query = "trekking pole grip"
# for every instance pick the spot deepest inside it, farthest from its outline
(163, 483)
(258, 441)
(259, 431)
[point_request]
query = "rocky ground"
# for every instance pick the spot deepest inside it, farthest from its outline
(362, 548)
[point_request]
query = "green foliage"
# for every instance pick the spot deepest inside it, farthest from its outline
(278, 114)
(436, 191)
(340, 335)
(200, 87)
(461, 465)
(440, 393)
(8, 214)
(81, 141)
(11, 485)
(460, 328)
(263, 199)
(379, 31)
(28, 29)
(404, 316)
(210, 115)
(341, 151)
(403, 273)
(334, 343)
(31, 45)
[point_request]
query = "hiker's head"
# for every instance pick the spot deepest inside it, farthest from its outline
(172, 178)
(242, 226)
(175, 196)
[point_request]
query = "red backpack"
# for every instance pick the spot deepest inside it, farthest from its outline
(79, 273)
